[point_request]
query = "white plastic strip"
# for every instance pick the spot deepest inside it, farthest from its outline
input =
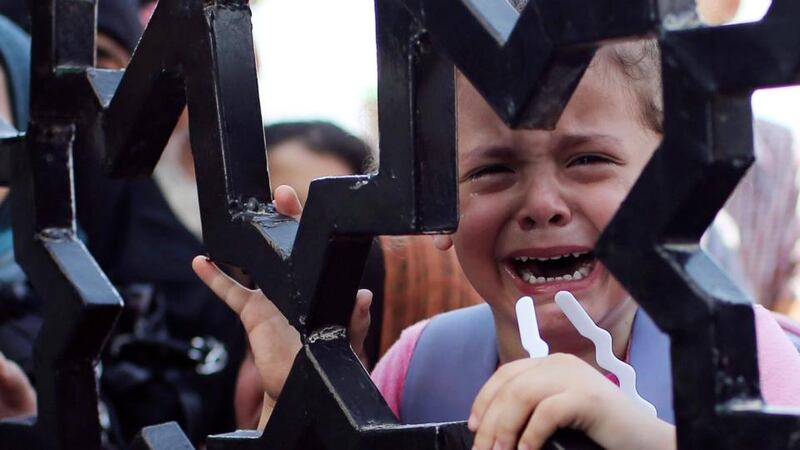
(532, 342)
(602, 343)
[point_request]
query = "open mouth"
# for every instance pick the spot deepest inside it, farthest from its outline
(566, 267)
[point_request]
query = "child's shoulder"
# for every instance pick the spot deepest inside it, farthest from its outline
(446, 343)
(778, 360)
(443, 331)
(389, 374)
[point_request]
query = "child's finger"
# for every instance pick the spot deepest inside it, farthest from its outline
(509, 409)
(275, 347)
(16, 393)
(442, 241)
(507, 415)
(360, 320)
(563, 410)
(259, 310)
(287, 202)
(489, 390)
(274, 342)
(227, 289)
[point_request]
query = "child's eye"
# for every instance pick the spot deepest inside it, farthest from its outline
(585, 160)
(489, 170)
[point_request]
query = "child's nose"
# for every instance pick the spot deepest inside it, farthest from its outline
(543, 207)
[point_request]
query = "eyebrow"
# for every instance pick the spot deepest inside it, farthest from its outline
(573, 140)
(488, 152)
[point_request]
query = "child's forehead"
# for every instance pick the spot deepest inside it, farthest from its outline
(600, 97)
(602, 68)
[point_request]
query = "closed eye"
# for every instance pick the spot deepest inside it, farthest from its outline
(586, 160)
(493, 169)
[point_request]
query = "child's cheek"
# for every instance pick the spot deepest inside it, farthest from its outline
(480, 220)
(603, 204)
(480, 223)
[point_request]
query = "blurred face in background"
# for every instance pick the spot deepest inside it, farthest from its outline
(110, 54)
(294, 164)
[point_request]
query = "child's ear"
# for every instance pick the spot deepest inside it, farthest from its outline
(442, 241)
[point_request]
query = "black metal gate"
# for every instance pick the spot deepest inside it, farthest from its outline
(526, 65)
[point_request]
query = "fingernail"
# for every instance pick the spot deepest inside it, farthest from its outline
(522, 446)
(497, 446)
(472, 422)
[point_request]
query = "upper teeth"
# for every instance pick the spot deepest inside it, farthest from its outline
(548, 258)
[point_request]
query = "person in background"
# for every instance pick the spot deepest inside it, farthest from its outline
(299, 152)
(19, 319)
(758, 230)
(174, 353)
(763, 208)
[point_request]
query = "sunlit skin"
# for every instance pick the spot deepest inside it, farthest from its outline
(543, 193)
(248, 395)
(716, 12)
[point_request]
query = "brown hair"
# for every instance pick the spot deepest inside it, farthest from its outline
(640, 62)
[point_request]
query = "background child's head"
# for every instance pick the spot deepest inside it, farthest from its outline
(534, 202)
(299, 152)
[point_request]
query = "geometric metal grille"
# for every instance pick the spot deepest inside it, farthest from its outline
(526, 65)
(709, 75)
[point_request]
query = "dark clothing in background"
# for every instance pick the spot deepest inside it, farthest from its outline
(20, 319)
(150, 369)
(15, 57)
(145, 250)
(119, 19)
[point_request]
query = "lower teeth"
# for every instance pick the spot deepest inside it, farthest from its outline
(579, 274)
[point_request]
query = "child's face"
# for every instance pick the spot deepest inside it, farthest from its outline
(548, 194)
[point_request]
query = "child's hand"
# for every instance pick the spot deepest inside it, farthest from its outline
(17, 397)
(527, 400)
(274, 342)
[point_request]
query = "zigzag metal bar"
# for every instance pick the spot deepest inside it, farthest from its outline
(234, 194)
(706, 149)
(81, 309)
(81, 305)
(165, 436)
(329, 401)
(529, 76)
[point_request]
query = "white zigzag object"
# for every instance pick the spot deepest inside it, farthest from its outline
(602, 343)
